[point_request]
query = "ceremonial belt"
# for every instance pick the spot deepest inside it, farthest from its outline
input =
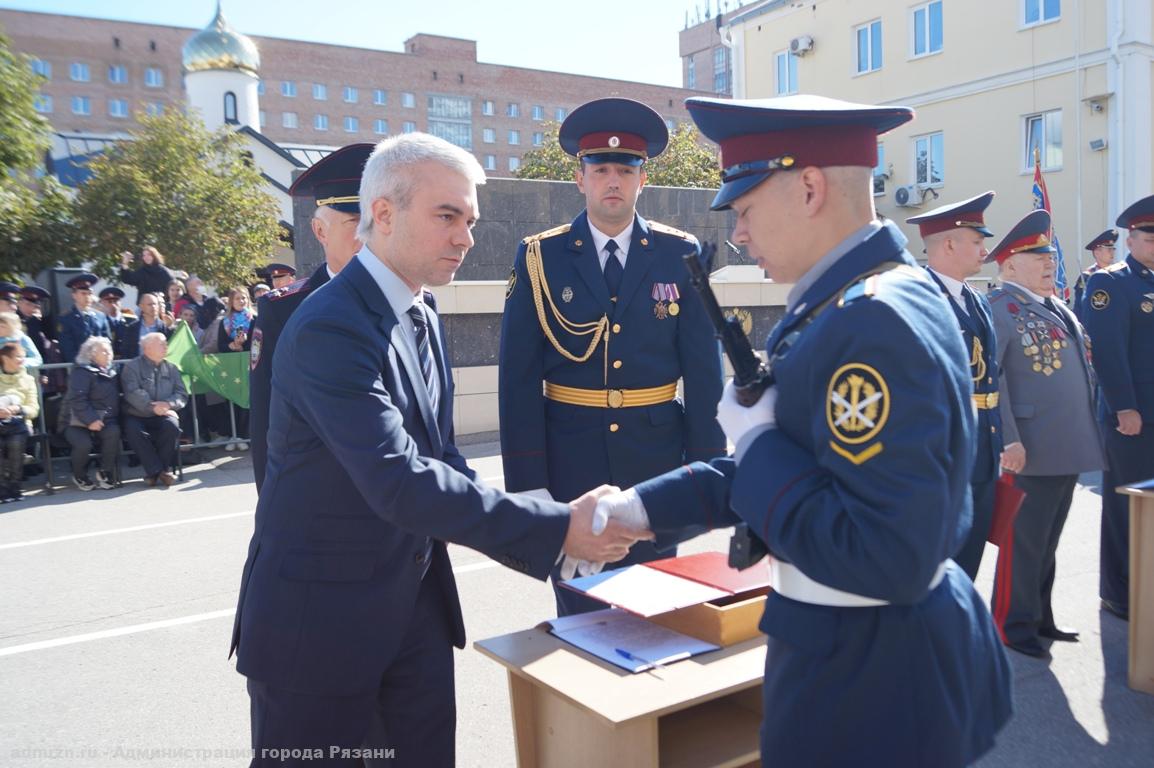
(788, 581)
(986, 402)
(610, 398)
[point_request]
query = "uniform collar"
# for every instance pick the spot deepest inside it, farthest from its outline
(952, 285)
(1023, 290)
(856, 238)
(623, 241)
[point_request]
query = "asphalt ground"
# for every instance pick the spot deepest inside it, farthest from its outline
(116, 610)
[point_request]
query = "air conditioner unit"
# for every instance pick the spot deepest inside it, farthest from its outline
(800, 45)
(908, 196)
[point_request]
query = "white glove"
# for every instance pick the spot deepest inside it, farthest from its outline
(624, 506)
(738, 422)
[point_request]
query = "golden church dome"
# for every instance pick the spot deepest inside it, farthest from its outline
(219, 46)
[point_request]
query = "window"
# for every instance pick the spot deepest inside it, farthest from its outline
(117, 74)
(289, 120)
(514, 163)
(42, 68)
(320, 92)
(490, 162)
(42, 104)
(691, 73)
(155, 109)
(320, 122)
(488, 135)
(785, 73)
(926, 29)
(262, 118)
(560, 113)
(380, 97)
(1044, 134)
(513, 110)
(350, 94)
(721, 69)
(538, 112)
(230, 108)
(352, 125)
(260, 87)
(288, 88)
(869, 47)
(409, 126)
(487, 107)
(380, 127)
(118, 108)
(81, 105)
(669, 125)
(408, 100)
(153, 77)
(1040, 11)
(538, 139)
(514, 137)
(451, 118)
(929, 160)
(78, 72)
(880, 171)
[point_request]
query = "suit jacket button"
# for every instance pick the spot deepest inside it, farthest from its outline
(613, 427)
(616, 363)
(617, 327)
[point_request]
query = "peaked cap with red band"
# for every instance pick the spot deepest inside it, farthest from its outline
(1109, 237)
(969, 213)
(1140, 215)
(1030, 235)
(760, 136)
(613, 131)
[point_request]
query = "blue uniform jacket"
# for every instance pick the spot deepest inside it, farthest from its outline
(570, 448)
(273, 311)
(864, 486)
(1118, 311)
(980, 341)
(360, 472)
(73, 328)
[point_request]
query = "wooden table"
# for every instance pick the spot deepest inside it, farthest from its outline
(1141, 673)
(572, 709)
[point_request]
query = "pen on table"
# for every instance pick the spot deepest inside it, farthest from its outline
(634, 657)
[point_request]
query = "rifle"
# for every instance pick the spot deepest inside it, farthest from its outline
(751, 377)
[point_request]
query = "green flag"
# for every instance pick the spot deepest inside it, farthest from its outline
(225, 373)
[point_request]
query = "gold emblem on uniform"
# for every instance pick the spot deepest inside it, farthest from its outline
(1148, 306)
(857, 408)
(665, 295)
(566, 294)
(744, 317)
(509, 286)
(1099, 299)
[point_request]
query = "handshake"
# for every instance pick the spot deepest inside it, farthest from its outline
(603, 525)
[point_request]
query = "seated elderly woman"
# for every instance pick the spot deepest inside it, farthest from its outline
(92, 409)
(18, 407)
(153, 396)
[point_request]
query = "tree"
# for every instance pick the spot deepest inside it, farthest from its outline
(684, 163)
(24, 133)
(194, 195)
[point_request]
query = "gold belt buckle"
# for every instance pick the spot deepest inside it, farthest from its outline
(615, 398)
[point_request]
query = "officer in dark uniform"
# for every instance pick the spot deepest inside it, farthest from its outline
(600, 323)
(76, 326)
(31, 316)
(110, 298)
(334, 182)
(954, 236)
(1102, 248)
(1119, 313)
(854, 467)
(9, 296)
(278, 275)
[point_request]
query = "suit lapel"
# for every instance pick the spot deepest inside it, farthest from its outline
(637, 264)
(586, 262)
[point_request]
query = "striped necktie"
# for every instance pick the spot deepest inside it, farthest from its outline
(425, 351)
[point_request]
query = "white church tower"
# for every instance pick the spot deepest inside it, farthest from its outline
(221, 72)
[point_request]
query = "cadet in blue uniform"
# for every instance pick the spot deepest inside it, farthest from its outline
(954, 236)
(1102, 248)
(602, 312)
(76, 326)
(333, 182)
(1119, 313)
(854, 467)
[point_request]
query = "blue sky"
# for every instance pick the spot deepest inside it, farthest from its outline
(625, 39)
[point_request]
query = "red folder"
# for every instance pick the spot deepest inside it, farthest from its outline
(1008, 500)
(712, 569)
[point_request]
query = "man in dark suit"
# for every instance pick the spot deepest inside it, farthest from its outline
(1046, 396)
(348, 609)
(1119, 313)
(333, 181)
(954, 236)
(601, 311)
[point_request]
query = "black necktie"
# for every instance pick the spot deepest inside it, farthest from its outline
(424, 351)
(613, 269)
(1050, 305)
(968, 301)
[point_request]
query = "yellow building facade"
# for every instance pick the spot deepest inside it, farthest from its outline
(991, 80)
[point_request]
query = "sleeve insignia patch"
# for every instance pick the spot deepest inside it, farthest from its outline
(254, 351)
(1099, 299)
(512, 284)
(857, 408)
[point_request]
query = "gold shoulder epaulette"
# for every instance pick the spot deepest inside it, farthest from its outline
(547, 234)
(1115, 266)
(657, 226)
